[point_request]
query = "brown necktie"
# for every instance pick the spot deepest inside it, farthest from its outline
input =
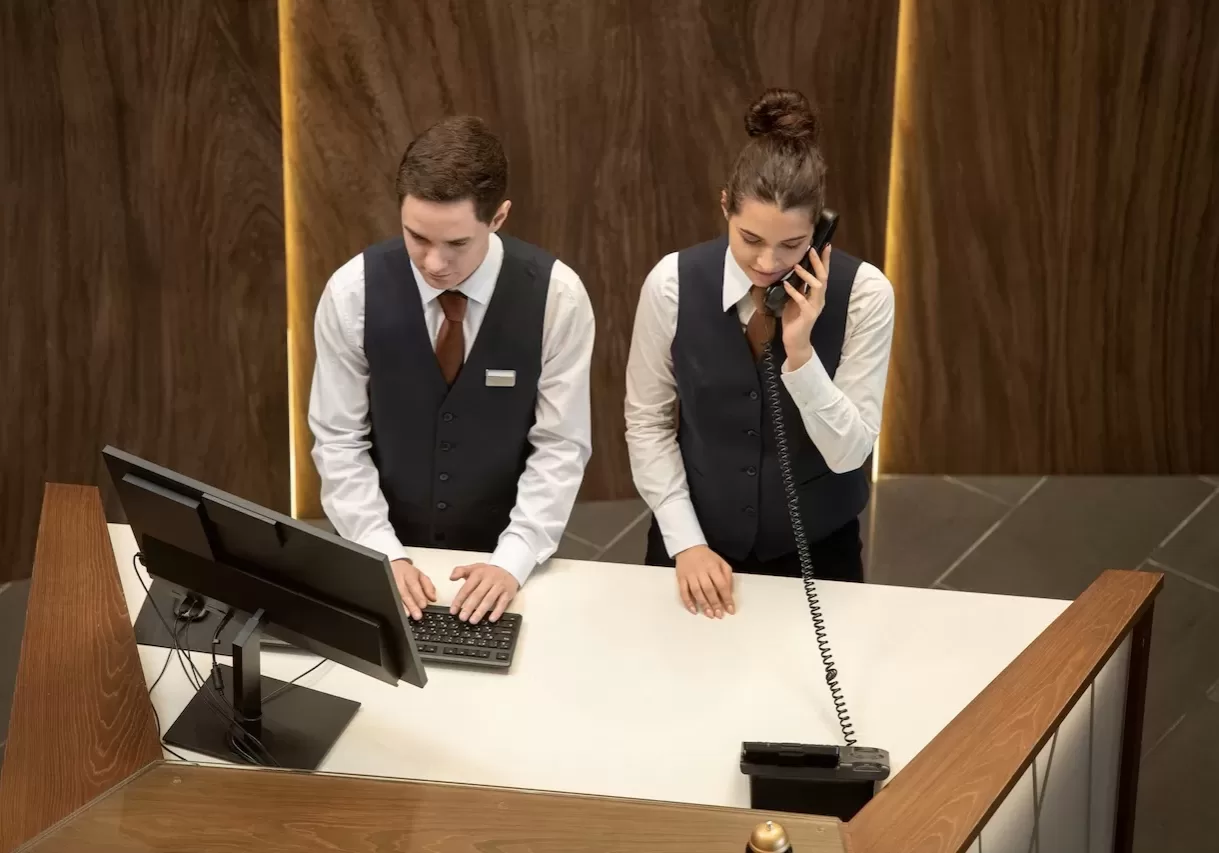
(451, 342)
(761, 326)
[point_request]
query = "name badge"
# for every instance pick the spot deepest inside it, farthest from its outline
(501, 378)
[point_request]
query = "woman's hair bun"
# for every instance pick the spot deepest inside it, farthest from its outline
(783, 113)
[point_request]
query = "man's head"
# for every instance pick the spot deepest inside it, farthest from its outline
(451, 186)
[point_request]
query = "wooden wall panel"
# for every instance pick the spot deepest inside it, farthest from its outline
(1055, 239)
(620, 119)
(142, 249)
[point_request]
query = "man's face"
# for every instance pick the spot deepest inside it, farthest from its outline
(767, 242)
(446, 240)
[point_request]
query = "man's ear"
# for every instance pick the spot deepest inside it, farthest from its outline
(497, 221)
(724, 202)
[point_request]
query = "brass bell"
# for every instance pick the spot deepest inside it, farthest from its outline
(768, 837)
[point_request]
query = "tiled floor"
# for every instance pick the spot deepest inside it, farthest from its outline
(1027, 536)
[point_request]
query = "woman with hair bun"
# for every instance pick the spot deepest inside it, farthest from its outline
(699, 430)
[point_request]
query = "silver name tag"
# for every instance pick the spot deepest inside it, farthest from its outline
(501, 378)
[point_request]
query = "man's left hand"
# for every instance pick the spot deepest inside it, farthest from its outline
(487, 589)
(803, 309)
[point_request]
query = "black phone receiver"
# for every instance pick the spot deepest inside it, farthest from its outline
(776, 296)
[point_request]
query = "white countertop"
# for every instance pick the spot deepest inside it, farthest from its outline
(616, 690)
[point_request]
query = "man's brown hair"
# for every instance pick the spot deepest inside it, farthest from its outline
(455, 159)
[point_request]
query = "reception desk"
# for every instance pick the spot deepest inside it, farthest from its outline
(616, 690)
(1009, 721)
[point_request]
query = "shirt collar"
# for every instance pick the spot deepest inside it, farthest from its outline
(481, 283)
(736, 283)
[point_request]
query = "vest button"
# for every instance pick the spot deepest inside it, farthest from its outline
(751, 471)
(442, 505)
(447, 417)
(749, 510)
(444, 478)
(446, 446)
(753, 395)
(752, 433)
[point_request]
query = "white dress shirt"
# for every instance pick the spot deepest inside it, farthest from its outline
(339, 419)
(841, 415)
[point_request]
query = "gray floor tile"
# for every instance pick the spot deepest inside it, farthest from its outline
(1177, 785)
(1009, 490)
(1194, 549)
(12, 623)
(574, 549)
(598, 522)
(921, 525)
(1073, 528)
(631, 546)
(1184, 653)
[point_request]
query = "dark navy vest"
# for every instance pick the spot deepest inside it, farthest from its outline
(449, 458)
(725, 431)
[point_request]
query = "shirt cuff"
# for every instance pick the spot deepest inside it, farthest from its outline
(679, 526)
(387, 543)
(514, 555)
(809, 385)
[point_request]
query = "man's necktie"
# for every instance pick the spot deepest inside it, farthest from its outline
(761, 326)
(451, 341)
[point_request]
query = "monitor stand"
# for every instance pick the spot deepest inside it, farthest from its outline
(240, 715)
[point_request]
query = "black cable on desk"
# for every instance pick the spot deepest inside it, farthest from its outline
(227, 713)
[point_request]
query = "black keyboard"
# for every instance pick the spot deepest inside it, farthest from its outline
(441, 637)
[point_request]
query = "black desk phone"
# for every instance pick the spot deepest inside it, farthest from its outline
(776, 296)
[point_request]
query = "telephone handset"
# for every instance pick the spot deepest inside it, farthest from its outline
(776, 296)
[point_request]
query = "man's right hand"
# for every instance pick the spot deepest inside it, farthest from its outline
(414, 586)
(705, 582)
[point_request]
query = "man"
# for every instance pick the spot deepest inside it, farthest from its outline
(450, 396)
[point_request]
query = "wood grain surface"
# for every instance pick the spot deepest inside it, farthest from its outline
(1054, 239)
(141, 249)
(620, 119)
(940, 801)
(216, 809)
(81, 721)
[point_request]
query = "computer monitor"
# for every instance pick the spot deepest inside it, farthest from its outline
(310, 588)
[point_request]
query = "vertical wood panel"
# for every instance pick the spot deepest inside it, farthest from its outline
(1054, 239)
(620, 120)
(142, 249)
(82, 720)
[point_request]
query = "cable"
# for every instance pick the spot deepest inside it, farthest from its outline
(806, 560)
(292, 683)
(227, 713)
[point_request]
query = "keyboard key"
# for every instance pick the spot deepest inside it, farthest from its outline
(501, 656)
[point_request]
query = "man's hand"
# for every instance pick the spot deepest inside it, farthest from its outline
(414, 586)
(487, 589)
(803, 309)
(704, 581)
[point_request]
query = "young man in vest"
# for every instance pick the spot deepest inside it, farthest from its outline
(450, 400)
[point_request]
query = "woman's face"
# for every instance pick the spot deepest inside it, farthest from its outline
(767, 242)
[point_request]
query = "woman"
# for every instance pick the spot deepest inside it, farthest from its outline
(699, 426)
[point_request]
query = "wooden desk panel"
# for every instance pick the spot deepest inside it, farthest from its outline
(179, 808)
(81, 719)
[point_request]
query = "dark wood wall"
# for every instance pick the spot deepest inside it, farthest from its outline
(620, 119)
(1055, 239)
(141, 249)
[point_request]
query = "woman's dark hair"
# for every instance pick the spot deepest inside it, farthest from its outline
(455, 159)
(781, 164)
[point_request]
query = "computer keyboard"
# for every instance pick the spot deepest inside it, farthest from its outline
(441, 637)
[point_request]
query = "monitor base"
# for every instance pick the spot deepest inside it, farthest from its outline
(299, 725)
